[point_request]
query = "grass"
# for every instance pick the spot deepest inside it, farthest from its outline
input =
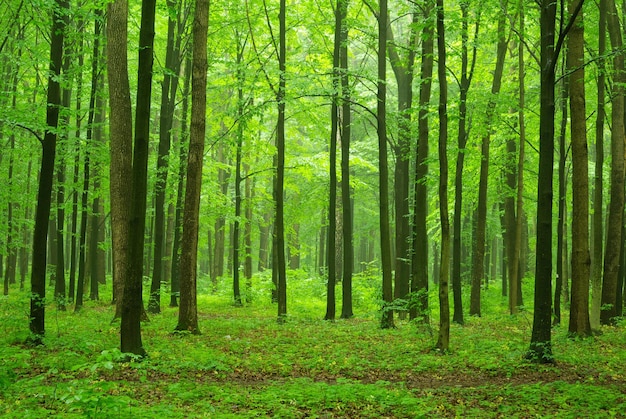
(244, 364)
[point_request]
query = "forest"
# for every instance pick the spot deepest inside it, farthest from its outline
(306, 208)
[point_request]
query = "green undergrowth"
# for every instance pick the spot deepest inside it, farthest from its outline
(245, 364)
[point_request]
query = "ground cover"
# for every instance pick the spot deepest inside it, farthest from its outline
(244, 364)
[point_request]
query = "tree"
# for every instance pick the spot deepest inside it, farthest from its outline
(279, 222)
(419, 259)
(581, 262)
(188, 311)
(597, 226)
(383, 170)
(44, 196)
(180, 189)
(95, 71)
(403, 71)
(332, 173)
(120, 143)
(467, 73)
(169, 87)
(132, 305)
(443, 339)
(478, 267)
(616, 205)
(541, 343)
(515, 248)
(346, 196)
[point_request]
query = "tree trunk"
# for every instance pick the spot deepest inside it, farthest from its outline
(616, 205)
(478, 267)
(53, 100)
(464, 85)
(120, 128)
(332, 172)
(419, 259)
(579, 309)
(132, 305)
(541, 344)
(188, 312)
(82, 258)
(383, 170)
(403, 71)
(515, 273)
(346, 190)
(561, 251)
(443, 339)
(168, 100)
(11, 254)
(180, 190)
(598, 188)
(279, 222)
(96, 257)
(239, 145)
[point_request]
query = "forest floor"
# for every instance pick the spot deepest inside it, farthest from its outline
(245, 364)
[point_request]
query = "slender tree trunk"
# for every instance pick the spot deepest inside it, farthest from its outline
(96, 265)
(11, 254)
(247, 233)
(383, 170)
(515, 273)
(59, 286)
(616, 205)
(264, 240)
(561, 251)
(598, 189)
(478, 266)
(443, 339)
(581, 263)
(332, 172)
(82, 258)
(53, 100)
(180, 190)
(132, 305)
(188, 312)
(331, 261)
(238, 157)
(419, 259)
(120, 131)
(403, 71)
(168, 97)
(541, 343)
(464, 85)
(540, 346)
(346, 190)
(279, 222)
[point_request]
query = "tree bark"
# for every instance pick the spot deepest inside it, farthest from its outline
(180, 190)
(478, 264)
(443, 339)
(581, 262)
(616, 205)
(346, 190)
(383, 170)
(132, 305)
(419, 260)
(598, 188)
(44, 196)
(188, 312)
(168, 100)
(279, 222)
(464, 85)
(120, 130)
